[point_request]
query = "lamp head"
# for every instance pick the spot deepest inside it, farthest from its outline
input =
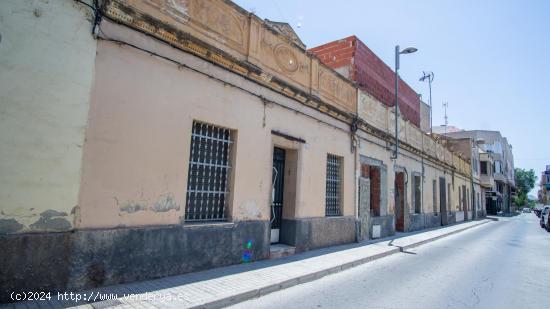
(408, 50)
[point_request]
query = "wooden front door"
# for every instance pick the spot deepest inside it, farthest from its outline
(400, 201)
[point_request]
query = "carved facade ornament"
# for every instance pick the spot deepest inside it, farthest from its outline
(217, 17)
(286, 58)
(334, 87)
(281, 57)
(177, 9)
(286, 30)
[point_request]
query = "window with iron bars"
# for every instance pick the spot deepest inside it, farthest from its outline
(207, 180)
(333, 187)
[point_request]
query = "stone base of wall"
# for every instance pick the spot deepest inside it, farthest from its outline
(416, 222)
(451, 217)
(90, 258)
(480, 214)
(387, 225)
(310, 233)
(459, 216)
(433, 220)
(423, 221)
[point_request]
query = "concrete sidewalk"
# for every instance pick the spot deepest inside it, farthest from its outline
(230, 285)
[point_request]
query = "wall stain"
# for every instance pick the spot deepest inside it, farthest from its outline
(132, 207)
(50, 213)
(51, 220)
(165, 203)
(9, 226)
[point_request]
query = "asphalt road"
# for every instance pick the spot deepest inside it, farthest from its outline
(502, 264)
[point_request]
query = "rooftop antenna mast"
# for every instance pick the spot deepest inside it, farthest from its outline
(429, 76)
(445, 106)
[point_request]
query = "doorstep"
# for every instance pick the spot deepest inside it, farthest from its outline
(280, 250)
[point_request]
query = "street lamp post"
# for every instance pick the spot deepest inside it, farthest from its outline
(398, 52)
(430, 77)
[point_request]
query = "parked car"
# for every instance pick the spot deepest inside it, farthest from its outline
(544, 217)
(527, 210)
(537, 211)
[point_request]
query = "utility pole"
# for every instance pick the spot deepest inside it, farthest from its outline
(398, 52)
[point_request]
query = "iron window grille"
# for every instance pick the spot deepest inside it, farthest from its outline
(207, 180)
(333, 186)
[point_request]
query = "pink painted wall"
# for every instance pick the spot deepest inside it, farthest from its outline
(138, 138)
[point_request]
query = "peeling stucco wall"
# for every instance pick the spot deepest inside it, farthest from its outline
(46, 71)
(374, 148)
(139, 133)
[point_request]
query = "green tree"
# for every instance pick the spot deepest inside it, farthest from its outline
(525, 182)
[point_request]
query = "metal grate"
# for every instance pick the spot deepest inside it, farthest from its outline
(208, 173)
(332, 206)
(278, 186)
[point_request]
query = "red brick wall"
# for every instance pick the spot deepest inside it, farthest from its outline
(336, 54)
(370, 73)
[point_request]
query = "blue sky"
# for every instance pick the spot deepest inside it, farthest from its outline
(491, 59)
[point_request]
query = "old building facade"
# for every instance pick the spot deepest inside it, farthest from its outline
(470, 150)
(496, 168)
(169, 137)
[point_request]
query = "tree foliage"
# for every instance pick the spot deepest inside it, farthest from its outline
(525, 182)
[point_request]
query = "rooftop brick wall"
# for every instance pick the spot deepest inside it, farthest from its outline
(353, 59)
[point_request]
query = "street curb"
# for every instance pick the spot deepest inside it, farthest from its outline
(444, 235)
(247, 295)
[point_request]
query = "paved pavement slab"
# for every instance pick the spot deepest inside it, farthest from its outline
(226, 286)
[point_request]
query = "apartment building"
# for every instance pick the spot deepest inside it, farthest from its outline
(496, 167)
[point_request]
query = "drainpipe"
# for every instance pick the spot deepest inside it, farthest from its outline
(422, 189)
(473, 197)
(355, 144)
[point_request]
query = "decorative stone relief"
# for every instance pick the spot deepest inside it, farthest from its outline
(177, 9)
(218, 17)
(286, 58)
(215, 21)
(282, 58)
(336, 89)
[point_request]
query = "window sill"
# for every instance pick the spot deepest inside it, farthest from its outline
(201, 225)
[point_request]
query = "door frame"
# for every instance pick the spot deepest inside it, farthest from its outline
(443, 200)
(400, 201)
(277, 193)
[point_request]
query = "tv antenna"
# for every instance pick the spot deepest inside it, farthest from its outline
(445, 106)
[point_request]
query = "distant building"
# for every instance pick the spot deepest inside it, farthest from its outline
(544, 192)
(496, 167)
(469, 149)
(445, 129)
